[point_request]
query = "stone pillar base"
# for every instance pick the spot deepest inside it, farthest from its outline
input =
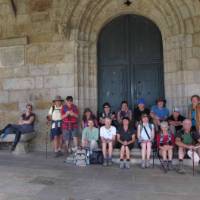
(21, 148)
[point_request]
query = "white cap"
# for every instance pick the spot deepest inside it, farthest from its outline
(176, 109)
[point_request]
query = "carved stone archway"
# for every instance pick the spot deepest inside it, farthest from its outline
(88, 20)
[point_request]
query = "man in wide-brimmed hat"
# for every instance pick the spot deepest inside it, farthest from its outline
(55, 117)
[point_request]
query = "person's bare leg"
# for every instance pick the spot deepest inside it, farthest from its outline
(127, 153)
(104, 150)
(181, 153)
(122, 152)
(170, 153)
(143, 150)
(110, 149)
(164, 154)
(148, 150)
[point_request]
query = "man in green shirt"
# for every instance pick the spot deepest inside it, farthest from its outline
(186, 140)
(90, 136)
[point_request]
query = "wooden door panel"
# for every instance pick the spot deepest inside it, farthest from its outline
(113, 85)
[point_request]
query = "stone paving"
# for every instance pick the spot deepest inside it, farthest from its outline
(32, 177)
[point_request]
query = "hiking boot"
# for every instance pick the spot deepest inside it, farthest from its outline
(165, 164)
(105, 163)
(180, 168)
(56, 155)
(109, 162)
(60, 153)
(148, 164)
(170, 166)
(12, 148)
(127, 164)
(143, 164)
(121, 165)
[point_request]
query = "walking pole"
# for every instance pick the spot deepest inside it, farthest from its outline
(193, 161)
(46, 140)
(46, 143)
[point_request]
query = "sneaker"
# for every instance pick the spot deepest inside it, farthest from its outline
(165, 164)
(143, 164)
(170, 166)
(127, 164)
(121, 165)
(109, 162)
(60, 153)
(12, 148)
(180, 169)
(56, 155)
(148, 164)
(105, 164)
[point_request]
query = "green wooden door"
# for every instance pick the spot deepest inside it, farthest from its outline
(130, 62)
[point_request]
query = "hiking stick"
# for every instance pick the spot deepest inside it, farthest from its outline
(193, 161)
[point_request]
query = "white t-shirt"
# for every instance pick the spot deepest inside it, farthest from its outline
(143, 135)
(107, 133)
(56, 114)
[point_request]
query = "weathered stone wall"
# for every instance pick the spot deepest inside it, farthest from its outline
(49, 48)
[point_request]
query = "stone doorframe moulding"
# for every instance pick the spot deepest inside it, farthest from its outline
(87, 22)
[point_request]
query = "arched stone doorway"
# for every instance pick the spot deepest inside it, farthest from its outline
(130, 61)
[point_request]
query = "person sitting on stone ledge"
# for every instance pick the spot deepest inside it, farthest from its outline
(107, 113)
(90, 136)
(139, 110)
(88, 114)
(126, 138)
(24, 126)
(145, 135)
(124, 112)
(107, 134)
(159, 112)
(175, 121)
(55, 118)
(165, 144)
(194, 112)
(188, 142)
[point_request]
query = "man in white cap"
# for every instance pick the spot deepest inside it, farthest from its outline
(176, 121)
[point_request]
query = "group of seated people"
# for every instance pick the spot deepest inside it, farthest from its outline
(151, 128)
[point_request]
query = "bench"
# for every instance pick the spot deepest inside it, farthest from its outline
(23, 145)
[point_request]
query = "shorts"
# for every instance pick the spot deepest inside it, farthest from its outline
(55, 132)
(70, 134)
(130, 146)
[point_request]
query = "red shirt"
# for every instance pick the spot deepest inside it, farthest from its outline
(165, 140)
(69, 122)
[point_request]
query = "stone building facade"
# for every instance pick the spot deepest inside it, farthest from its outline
(50, 47)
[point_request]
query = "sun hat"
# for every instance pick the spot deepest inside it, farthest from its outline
(58, 98)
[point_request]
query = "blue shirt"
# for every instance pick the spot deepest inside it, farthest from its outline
(162, 113)
(193, 118)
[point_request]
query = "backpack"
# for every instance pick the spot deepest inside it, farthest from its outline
(96, 157)
(81, 157)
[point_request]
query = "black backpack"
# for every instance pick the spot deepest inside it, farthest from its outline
(96, 157)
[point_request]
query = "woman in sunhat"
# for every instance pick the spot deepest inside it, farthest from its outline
(55, 117)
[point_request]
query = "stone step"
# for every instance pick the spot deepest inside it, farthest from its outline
(136, 158)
